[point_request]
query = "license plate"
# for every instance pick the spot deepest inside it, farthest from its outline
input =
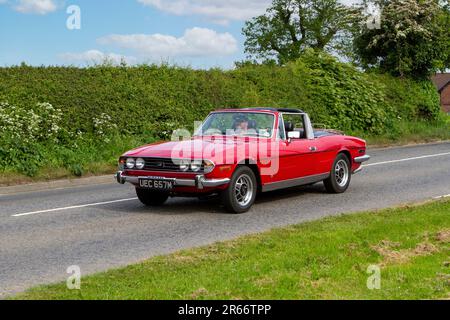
(158, 184)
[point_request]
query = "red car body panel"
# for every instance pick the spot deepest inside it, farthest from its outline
(297, 158)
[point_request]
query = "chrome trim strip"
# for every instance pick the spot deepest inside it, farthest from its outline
(284, 128)
(184, 182)
(294, 182)
(362, 159)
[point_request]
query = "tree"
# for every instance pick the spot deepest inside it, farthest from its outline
(413, 39)
(291, 26)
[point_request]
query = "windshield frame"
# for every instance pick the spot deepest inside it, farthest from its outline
(238, 111)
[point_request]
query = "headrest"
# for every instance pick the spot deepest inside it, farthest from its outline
(252, 124)
(289, 126)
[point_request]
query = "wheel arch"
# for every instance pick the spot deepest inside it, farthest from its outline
(255, 168)
(347, 154)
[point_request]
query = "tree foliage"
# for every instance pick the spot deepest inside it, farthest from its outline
(413, 38)
(291, 26)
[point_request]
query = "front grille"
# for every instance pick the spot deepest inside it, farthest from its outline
(164, 164)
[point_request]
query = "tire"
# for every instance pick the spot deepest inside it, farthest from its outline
(340, 175)
(234, 201)
(151, 198)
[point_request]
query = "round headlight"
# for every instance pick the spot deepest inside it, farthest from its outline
(140, 163)
(130, 163)
(184, 165)
(196, 165)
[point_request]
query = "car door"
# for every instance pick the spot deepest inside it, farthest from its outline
(298, 157)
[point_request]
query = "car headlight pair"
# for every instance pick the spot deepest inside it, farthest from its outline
(194, 165)
(132, 163)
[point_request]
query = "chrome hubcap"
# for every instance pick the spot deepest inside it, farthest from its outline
(341, 173)
(243, 190)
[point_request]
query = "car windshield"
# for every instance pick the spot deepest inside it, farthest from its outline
(238, 124)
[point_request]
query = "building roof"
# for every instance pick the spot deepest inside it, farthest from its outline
(441, 80)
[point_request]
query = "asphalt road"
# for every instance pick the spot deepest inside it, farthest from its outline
(43, 233)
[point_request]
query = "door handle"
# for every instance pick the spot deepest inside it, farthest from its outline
(313, 149)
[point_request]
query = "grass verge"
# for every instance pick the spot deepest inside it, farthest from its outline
(325, 259)
(413, 132)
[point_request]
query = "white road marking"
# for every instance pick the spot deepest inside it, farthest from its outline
(132, 199)
(73, 207)
(442, 197)
(407, 159)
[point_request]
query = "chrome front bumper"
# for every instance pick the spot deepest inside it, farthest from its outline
(200, 182)
(360, 160)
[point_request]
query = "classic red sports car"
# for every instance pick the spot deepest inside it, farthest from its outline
(240, 152)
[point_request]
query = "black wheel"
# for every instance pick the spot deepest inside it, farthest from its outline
(340, 175)
(152, 198)
(241, 193)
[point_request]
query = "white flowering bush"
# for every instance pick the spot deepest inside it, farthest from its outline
(104, 127)
(42, 123)
(37, 136)
(23, 131)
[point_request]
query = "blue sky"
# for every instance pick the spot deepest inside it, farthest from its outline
(197, 33)
(200, 33)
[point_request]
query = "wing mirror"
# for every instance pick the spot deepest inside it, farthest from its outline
(293, 135)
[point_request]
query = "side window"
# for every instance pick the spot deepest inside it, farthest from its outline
(295, 122)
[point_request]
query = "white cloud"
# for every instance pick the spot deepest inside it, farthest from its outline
(217, 10)
(96, 57)
(196, 42)
(35, 6)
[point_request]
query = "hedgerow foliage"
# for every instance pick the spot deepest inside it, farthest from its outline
(49, 108)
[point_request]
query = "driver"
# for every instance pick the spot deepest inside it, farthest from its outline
(241, 124)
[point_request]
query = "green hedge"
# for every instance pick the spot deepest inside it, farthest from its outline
(152, 99)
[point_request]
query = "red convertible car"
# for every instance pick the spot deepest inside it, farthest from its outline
(240, 152)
